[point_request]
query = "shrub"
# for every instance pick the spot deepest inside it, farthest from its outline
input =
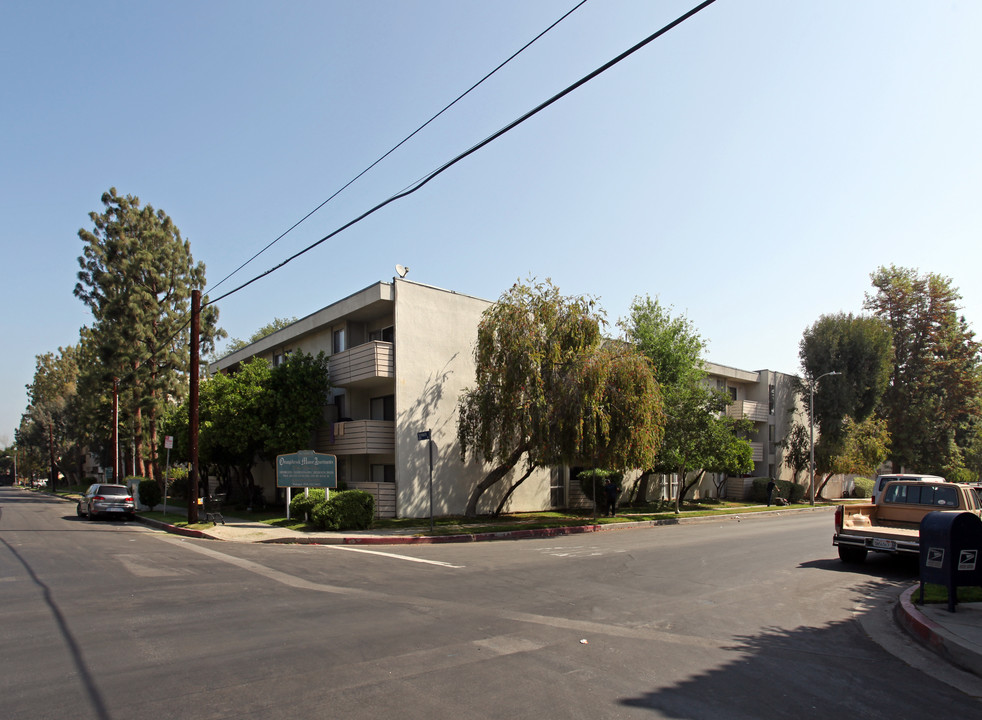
(347, 510)
(792, 492)
(150, 493)
(180, 482)
(303, 505)
(863, 488)
(590, 479)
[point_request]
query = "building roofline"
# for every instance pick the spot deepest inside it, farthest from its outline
(377, 292)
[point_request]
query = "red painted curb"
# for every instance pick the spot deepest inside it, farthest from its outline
(919, 625)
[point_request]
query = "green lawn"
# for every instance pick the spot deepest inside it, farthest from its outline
(453, 525)
(939, 594)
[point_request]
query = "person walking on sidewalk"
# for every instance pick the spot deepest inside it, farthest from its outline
(611, 490)
(771, 485)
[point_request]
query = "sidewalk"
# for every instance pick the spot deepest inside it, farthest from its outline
(239, 530)
(957, 636)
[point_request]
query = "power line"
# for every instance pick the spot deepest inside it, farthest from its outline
(491, 138)
(402, 142)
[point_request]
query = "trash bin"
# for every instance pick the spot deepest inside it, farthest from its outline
(950, 549)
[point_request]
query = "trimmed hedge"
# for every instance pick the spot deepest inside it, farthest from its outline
(863, 488)
(150, 493)
(792, 492)
(303, 505)
(590, 479)
(346, 510)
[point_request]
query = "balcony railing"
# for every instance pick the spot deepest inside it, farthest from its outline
(748, 408)
(758, 451)
(358, 437)
(369, 361)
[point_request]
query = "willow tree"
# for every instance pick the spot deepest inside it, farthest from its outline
(136, 277)
(550, 389)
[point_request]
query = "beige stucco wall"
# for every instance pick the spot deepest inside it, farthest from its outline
(435, 335)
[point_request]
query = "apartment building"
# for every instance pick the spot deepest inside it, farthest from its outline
(401, 353)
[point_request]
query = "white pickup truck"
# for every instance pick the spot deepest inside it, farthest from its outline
(892, 525)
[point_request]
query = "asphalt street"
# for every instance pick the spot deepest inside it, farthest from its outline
(748, 619)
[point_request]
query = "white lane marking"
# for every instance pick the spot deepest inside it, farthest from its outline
(388, 554)
(581, 627)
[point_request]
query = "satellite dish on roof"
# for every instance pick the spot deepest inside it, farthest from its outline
(402, 270)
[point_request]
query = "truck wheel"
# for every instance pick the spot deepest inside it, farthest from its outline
(852, 554)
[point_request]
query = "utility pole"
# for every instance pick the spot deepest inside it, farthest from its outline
(193, 405)
(115, 430)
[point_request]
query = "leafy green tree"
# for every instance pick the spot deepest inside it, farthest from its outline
(698, 437)
(550, 389)
(50, 397)
(136, 277)
(864, 448)
(296, 392)
(233, 420)
(857, 348)
(931, 404)
(797, 450)
(256, 412)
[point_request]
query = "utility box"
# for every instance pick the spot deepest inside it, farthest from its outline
(951, 552)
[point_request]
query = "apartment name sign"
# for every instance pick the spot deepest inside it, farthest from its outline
(306, 469)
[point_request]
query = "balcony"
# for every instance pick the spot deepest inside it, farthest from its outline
(758, 451)
(748, 408)
(363, 364)
(358, 437)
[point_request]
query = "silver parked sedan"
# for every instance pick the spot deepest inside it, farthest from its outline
(112, 500)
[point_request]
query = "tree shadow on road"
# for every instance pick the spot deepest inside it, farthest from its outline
(805, 672)
(85, 675)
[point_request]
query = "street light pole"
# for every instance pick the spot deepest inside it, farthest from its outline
(811, 433)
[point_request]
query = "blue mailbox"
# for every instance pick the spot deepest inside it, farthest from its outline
(950, 549)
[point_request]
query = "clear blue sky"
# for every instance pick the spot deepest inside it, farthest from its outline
(749, 169)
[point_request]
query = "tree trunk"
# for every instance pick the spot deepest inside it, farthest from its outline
(138, 467)
(684, 488)
(518, 482)
(641, 496)
(818, 491)
(493, 477)
(153, 467)
(53, 482)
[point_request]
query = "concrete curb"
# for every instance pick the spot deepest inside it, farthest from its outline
(526, 534)
(173, 529)
(934, 636)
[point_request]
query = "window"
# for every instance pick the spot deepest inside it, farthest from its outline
(385, 334)
(557, 487)
(383, 473)
(770, 399)
(922, 495)
(338, 344)
(733, 393)
(384, 408)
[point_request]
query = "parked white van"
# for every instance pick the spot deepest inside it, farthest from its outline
(882, 480)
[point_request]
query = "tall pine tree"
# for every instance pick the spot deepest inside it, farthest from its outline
(136, 276)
